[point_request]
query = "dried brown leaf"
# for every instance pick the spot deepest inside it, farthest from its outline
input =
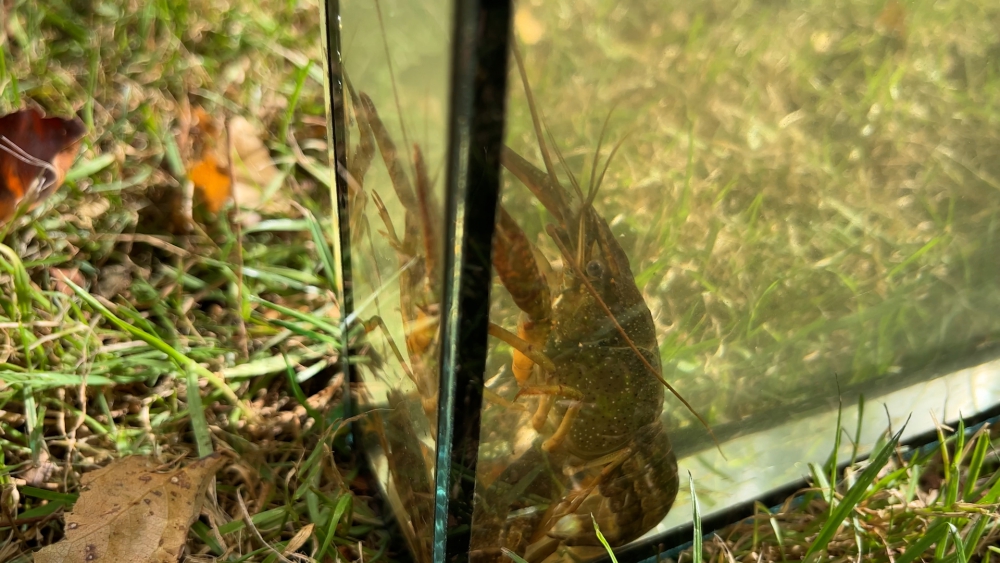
(253, 168)
(131, 512)
(298, 540)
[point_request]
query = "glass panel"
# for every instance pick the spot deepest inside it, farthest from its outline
(785, 219)
(396, 56)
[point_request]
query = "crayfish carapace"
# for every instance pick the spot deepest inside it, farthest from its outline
(586, 361)
(586, 347)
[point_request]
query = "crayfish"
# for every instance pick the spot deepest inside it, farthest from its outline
(585, 348)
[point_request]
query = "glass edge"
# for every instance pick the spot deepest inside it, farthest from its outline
(695, 439)
(337, 157)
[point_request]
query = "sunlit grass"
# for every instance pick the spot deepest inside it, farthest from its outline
(933, 504)
(124, 332)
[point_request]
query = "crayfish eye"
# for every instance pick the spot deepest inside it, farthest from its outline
(595, 269)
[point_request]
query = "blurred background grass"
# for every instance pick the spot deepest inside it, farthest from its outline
(808, 191)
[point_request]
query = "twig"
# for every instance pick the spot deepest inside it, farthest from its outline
(249, 523)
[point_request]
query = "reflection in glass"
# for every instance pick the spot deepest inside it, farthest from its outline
(807, 200)
(396, 63)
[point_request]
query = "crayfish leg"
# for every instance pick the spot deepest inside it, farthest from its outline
(514, 260)
(526, 352)
(428, 218)
(548, 393)
(637, 485)
(365, 151)
(541, 415)
(565, 426)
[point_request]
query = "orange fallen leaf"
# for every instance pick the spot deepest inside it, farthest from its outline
(210, 173)
(213, 181)
(35, 154)
(253, 169)
(131, 512)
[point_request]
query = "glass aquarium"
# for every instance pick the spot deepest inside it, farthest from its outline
(728, 232)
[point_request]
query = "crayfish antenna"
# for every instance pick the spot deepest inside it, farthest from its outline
(537, 124)
(607, 163)
(392, 73)
(592, 187)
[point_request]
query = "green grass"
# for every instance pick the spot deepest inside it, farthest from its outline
(123, 332)
(934, 504)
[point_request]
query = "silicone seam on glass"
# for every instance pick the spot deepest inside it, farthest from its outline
(476, 121)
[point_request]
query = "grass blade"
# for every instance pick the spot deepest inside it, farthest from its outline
(977, 531)
(304, 317)
(323, 249)
(959, 544)
(515, 557)
(935, 533)
(976, 465)
(854, 495)
(820, 480)
(196, 411)
(951, 495)
(993, 494)
(696, 542)
(343, 505)
(604, 542)
(186, 363)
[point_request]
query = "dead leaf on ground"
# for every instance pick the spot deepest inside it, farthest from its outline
(213, 180)
(35, 154)
(298, 540)
(40, 471)
(131, 512)
(253, 169)
(208, 169)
